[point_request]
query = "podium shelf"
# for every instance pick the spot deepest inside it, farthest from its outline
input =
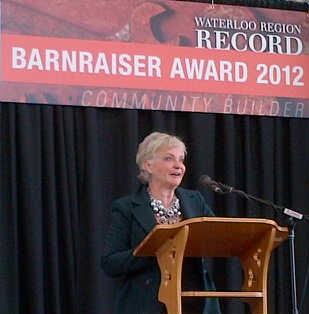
(222, 294)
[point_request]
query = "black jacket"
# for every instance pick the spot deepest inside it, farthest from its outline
(132, 220)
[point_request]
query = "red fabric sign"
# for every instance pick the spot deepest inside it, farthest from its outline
(224, 59)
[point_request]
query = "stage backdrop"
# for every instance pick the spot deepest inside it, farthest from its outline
(159, 55)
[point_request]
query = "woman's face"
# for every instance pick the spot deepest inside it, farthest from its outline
(167, 167)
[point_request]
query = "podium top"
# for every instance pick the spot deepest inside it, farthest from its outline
(213, 236)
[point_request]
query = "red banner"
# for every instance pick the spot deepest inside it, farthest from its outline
(163, 55)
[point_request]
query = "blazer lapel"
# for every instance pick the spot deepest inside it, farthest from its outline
(187, 203)
(142, 210)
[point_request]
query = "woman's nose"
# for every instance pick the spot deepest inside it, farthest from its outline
(178, 164)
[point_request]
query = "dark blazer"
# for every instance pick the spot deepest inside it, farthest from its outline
(132, 219)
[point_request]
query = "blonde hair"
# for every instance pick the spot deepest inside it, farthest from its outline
(150, 145)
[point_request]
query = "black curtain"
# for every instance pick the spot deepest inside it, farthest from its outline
(60, 168)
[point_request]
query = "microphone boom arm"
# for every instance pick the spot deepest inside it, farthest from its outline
(225, 189)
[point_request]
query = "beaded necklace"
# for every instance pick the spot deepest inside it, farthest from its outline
(164, 215)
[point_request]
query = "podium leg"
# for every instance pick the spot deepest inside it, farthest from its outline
(170, 257)
(255, 263)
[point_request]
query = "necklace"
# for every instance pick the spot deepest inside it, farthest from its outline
(164, 215)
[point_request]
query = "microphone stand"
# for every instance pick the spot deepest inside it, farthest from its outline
(294, 217)
(305, 289)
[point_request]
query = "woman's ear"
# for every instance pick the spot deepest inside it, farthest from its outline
(147, 166)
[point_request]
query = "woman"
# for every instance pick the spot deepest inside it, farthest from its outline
(160, 159)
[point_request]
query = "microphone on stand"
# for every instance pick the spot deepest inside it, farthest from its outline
(218, 187)
(221, 188)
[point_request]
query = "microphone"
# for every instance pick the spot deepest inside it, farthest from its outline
(217, 187)
(221, 188)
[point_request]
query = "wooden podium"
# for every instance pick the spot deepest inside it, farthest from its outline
(251, 240)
